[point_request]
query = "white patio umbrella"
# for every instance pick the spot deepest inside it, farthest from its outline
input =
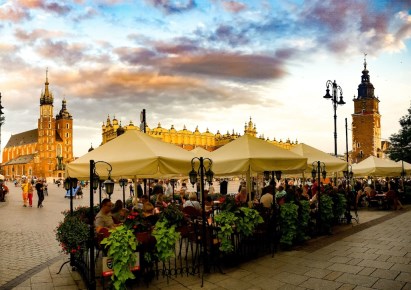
(134, 154)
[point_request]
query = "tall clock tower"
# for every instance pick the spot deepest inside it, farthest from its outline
(366, 121)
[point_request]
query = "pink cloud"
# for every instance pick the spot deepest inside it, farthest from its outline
(234, 6)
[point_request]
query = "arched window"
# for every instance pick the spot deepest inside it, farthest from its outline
(67, 126)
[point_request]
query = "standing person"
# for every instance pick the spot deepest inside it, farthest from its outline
(3, 189)
(25, 190)
(30, 192)
(40, 192)
(139, 189)
(45, 188)
(131, 189)
(169, 189)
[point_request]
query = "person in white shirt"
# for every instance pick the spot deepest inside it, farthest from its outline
(168, 189)
(267, 197)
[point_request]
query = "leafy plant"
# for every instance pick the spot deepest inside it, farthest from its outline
(248, 220)
(166, 237)
(121, 245)
(288, 223)
(303, 220)
(326, 211)
(172, 214)
(72, 234)
(226, 220)
(340, 204)
(82, 212)
(136, 222)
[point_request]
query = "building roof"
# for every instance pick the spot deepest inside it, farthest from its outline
(28, 137)
(23, 159)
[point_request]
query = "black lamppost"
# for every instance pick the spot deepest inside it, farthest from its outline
(172, 182)
(123, 183)
(335, 102)
(109, 185)
(318, 170)
(348, 174)
(193, 180)
(70, 184)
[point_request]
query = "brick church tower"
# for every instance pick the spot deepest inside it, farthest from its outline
(366, 121)
(43, 151)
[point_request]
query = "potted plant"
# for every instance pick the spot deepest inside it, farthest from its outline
(303, 220)
(288, 223)
(121, 246)
(72, 234)
(166, 238)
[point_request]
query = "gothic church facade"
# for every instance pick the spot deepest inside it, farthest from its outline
(44, 151)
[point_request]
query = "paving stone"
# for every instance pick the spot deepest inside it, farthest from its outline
(404, 277)
(347, 287)
(376, 264)
(386, 274)
(333, 275)
(388, 284)
(234, 284)
(314, 283)
(345, 268)
(366, 271)
(361, 280)
(317, 273)
(290, 278)
(401, 268)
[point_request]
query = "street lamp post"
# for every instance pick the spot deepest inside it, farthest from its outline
(335, 102)
(95, 182)
(70, 184)
(193, 180)
(318, 170)
(172, 182)
(123, 183)
(348, 174)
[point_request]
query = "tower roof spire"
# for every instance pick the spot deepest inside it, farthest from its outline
(46, 97)
(365, 61)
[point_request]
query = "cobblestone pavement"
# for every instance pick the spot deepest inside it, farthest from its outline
(27, 237)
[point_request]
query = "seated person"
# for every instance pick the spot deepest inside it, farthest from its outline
(209, 204)
(241, 197)
(104, 218)
(192, 201)
(148, 208)
(267, 198)
(160, 203)
(119, 213)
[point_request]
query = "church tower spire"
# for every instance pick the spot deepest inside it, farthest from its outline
(46, 97)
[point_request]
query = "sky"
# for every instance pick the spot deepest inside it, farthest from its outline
(208, 63)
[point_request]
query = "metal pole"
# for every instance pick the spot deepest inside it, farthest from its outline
(346, 138)
(205, 257)
(334, 100)
(319, 196)
(99, 191)
(124, 193)
(92, 269)
(71, 199)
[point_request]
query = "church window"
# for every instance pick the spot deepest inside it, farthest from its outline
(49, 126)
(358, 144)
(67, 135)
(67, 126)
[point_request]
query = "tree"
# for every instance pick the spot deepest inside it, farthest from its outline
(400, 148)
